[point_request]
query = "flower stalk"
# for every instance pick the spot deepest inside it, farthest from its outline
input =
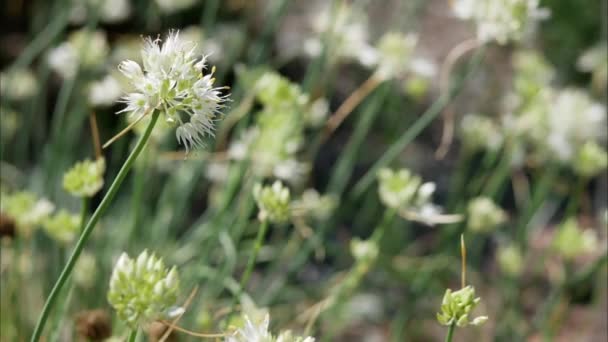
(103, 206)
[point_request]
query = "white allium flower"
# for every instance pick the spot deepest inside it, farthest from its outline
(316, 115)
(273, 202)
(85, 270)
(394, 52)
(257, 331)
(62, 227)
(312, 204)
(291, 170)
(83, 49)
(19, 84)
(142, 289)
(105, 92)
(573, 119)
(348, 34)
(172, 6)
(64, 60)
(172, 81)
(500, 20)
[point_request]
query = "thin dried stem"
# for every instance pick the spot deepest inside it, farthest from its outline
(189, 332)
(185, 306)
(453, 56)
(350, 104)
(463, 266)
(95, 134)
(126, 130)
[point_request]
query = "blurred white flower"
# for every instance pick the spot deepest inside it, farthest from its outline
(500, 20)
(83, 49)
(394, 52)
(172, 6)
(109, 11)
(252, 331)
(105, 92)
(19, 84)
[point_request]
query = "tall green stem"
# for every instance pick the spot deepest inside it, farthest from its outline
(251, 262)
(133, 335)
(103, 206)
(448, 337)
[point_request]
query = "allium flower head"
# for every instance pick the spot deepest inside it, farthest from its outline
(257, 331)
(591, 159)
(397, 188)
(570, 241)
(84, 49)
(364, 250)
(500, 20)
(173, 82)
(26, 209)
(479, 132)
(457, 306)
(484, 215)
(142, 289)
(104, 92)
(273, 202)
(394, 53)
(85, 178)
(63, 226)
(19, 84)
(510, 260)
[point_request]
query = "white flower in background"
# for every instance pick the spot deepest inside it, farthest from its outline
(404, 192)
(252, 331)
(397, 189)
(109, 11)
(484, 215)
(257, 331)
(479, 132)
(571, 241)
(594, 61)
(83, 49)
(500, 20)
(364, 250)
(317, 113)
(273, 202)
(394, 53)
(291, 170)
(85, 178)
(19, 84)
(312, 204)
(573, 118)
(105, 92)
(510, 260)
(26, 209)
(172, 6)
(348, 35)
(591, 159)
(85, 270)
(62, 226)
(172, 81)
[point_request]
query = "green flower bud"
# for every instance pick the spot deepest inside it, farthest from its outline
(484, 215)
(85, 271)
(277, 91)
(480, 132)
(570, 241)
(85, 178)
(591, 159)
(510, 260)
(394, 52)
(456, 308)
(143, 289)
(397, 189)
(62, 226)
(273, 202)
(364, 250)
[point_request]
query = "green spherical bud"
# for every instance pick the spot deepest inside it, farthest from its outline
(591, 159)
(273, 202)
(143, 289)
(85, 178)
(570, 241)
(510, 260)
(484, 215)
(63, 226)
(397, 188)
(456, 307)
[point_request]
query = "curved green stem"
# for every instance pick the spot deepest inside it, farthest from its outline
(251, 262)
(103, 206)
(448, 337)
(133, 335)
